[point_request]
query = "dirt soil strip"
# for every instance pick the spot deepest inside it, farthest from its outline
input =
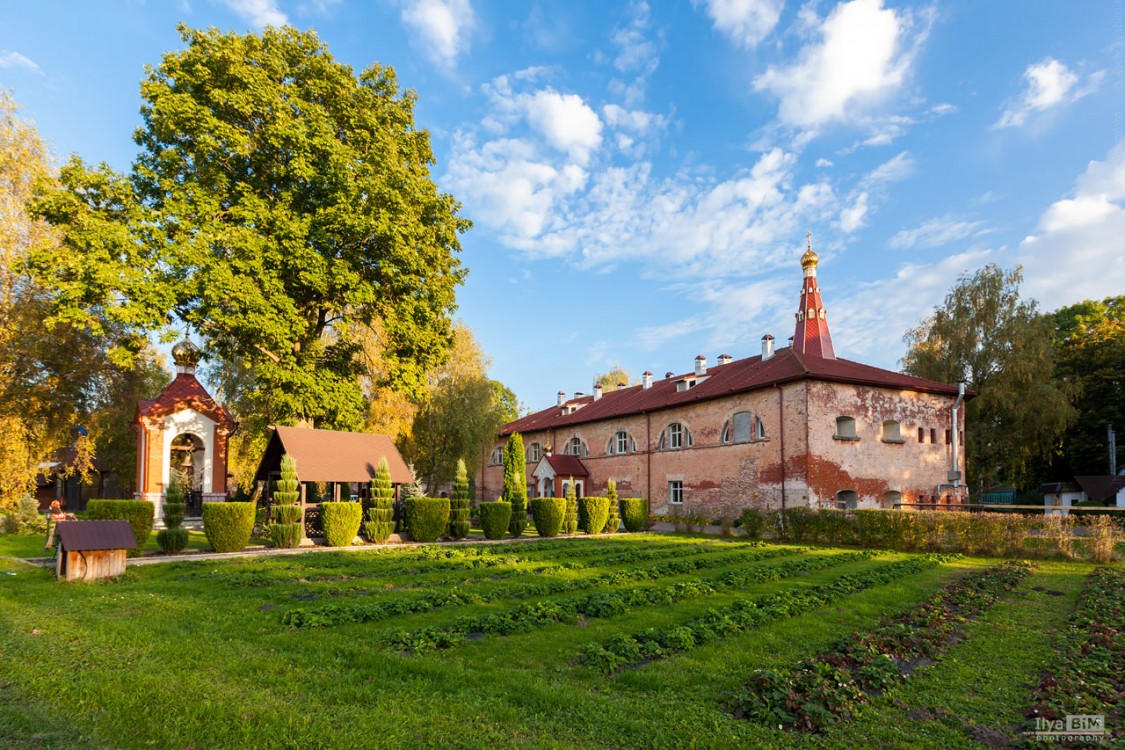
(974, 697)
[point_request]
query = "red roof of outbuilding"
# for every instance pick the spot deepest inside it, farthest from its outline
(567, 465)
(740, 376)
(184, 391)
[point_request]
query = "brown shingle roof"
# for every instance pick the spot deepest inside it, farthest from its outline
(329, 456)
(740, 376)
(85, 536)
(1103, 488)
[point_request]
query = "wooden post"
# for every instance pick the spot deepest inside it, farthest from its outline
(304, 536)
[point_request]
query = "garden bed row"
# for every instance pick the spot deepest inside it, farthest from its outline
(603, 604)
(828, 688)
(1087, 675)
(623, 650)
(328, 616)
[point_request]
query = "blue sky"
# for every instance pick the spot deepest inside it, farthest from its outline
(642, 176)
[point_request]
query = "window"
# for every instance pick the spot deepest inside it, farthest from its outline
(565, 489)
(948, 437)
(620, 444)
(846, 499)
(933, 435)
(759, 429)
(497, 456)
(534, 452)
(845, 428)
(892, 431)
(676, 493)
(891, 499)
(575, 447)
(675, 437)
(921, 434)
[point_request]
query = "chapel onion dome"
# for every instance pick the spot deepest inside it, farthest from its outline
(186, 355)
(809, 259)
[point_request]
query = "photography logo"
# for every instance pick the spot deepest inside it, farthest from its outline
(1073, 727)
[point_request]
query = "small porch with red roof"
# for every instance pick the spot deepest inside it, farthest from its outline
(554, 475)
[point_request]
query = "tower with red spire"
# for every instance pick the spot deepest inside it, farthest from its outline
(812, 336)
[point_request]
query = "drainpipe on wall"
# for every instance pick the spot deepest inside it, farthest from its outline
(955, 472)
(648, 459)
(781, 436)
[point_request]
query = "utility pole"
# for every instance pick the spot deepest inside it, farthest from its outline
(1112, 450)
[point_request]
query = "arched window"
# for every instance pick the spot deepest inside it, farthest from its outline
(575, 447)
(674, 438)
(892, 431)
(620, 444)
(497, 456)
(845, 428)
(759, 429)
(737, 430)
(846, 499)
(534, 452)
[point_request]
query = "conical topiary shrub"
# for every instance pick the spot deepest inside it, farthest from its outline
(285, 531)
(613, 522)
(570, 521)
(380, 522)
(515, 484)
(459, 504)
(172, 538)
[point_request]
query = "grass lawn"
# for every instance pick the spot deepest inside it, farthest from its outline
(198, 655)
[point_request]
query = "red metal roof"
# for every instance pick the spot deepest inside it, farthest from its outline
(86, 536)
(185, 392)
(567, 465)
(740, 376)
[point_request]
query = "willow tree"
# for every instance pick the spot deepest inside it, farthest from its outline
(280, 205)
(985, 335)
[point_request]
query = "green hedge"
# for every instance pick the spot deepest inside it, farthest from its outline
(753, 522)
(172, 540)
(548, 513)
(593, 512)
(427, 518)
(340, 522)
(634, 513)
(228, 525)
(286, 535)
(494, 519)
(139, 514)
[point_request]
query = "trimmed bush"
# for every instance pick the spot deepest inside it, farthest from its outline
(515, 484)
(570, 521)
(228, 525)
(753, 522)
(459, 504)
(288, 516)
(340, 522)
(634, 513)
(172, 538)
(592, 514)
(25, 519)
(139, 514)
(380, 523)
(548, 513)
(427, 518)
(495, 518)
(613, 521)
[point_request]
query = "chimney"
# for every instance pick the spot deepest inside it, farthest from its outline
(767, 347)
(597, 391)
(579, 394)
(622, 385)
(646, 380)
(725, 359)
(562, 398)
(668, 374)
(700, 365)
(790, 342)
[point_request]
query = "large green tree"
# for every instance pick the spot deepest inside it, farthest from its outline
(1090, 340)
(279, 204)
(985, 335)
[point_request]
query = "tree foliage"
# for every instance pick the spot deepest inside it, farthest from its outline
(610, 379)
(460, 414)
(280, 205)
(515, 484)
(1090, 340)
(985, 335)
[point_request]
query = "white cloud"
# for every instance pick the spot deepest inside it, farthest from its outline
(1077, 253)
(944, 108)
(746, 22)
(934, 233)
(566, 122)
(441, 27)
(9, 59)
(1049, 84)
(823, 163)
(636, 54)
(851, 218)
(898, 167)
(258, 13)
(863, 55)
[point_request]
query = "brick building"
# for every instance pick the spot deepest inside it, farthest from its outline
(789, 427)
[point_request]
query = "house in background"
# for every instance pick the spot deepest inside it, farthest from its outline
(794, 426)
(1104, 489)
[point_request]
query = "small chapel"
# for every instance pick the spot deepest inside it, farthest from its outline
(184, 430)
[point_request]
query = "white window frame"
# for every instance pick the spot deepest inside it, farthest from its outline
(676, 492)
(675, 436)
(534, 452)
(621, 442)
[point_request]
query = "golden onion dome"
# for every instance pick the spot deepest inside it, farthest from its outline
(186, 354)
